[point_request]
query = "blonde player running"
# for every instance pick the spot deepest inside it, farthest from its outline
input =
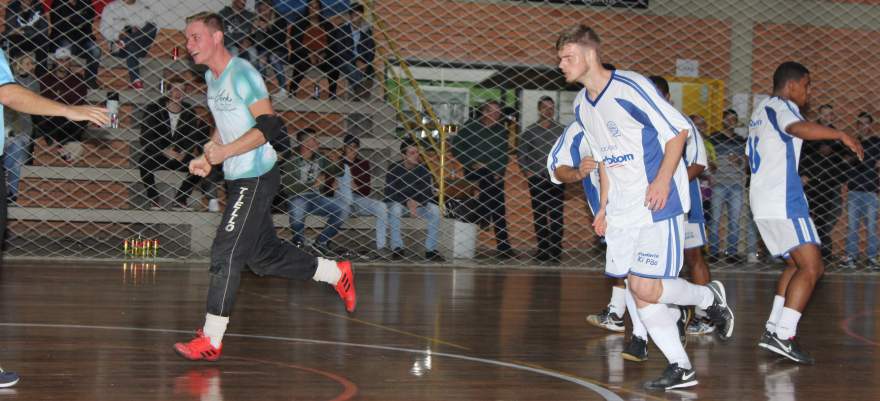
(639, 138)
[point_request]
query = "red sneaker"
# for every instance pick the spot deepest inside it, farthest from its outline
(137, 84)
(345, 285)
(199, 348)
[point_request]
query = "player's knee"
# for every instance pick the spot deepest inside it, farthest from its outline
(647, 290)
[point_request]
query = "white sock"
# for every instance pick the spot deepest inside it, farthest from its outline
(662, 329)
(327, 272)
(215, 327)
(775, 313)
(639, 329)
(618, 301)
(675, 313)
(787, 326)
(680, 292)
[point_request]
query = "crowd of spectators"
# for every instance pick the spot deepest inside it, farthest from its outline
(56, 48)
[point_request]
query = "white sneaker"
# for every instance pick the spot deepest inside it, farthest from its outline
(281, 92)
(214, 205)
(753, 258)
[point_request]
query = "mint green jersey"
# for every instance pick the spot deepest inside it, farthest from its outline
(229, 96)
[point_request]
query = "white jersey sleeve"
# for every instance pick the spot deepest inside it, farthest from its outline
(570, 148)
(695, 148)
(786, 114)
(663, 115)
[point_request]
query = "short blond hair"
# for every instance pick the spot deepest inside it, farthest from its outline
(212, 20)
(578, 34)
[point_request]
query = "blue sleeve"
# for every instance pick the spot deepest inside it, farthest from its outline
(6, 76)
(249, 85)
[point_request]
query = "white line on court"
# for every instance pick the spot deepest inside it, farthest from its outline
(605, 393)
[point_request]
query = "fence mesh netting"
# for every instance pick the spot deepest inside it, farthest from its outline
(417, 130)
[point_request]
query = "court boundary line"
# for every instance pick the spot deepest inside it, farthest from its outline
(607, 394)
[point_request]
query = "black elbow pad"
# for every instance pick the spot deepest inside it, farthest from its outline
(271, 126)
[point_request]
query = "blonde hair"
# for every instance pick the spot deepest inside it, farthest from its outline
(578, 34)
(210, 19)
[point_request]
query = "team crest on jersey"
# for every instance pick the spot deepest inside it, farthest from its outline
(612, 129)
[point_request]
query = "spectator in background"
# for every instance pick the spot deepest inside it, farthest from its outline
(171, 135)
(728, 174)
(19, 127)
(238, 23)
(271, 45)
(303, 176)
(862, 203)
(535, 144)
(354, 190)
(130, 28)
(409, 184)
(822, 174)
(363, 52)
(294, 21)
(826, 115)
(64, 83)
(72, 28)
(481, 146)
(338, 54)
(27, 30)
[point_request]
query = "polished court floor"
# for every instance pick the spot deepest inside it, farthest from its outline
(104, 332)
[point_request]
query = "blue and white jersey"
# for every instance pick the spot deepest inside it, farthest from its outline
(570, 148)
(6, 78)
(695, 154)
(627, 127)
(229, 97)
(775, 188)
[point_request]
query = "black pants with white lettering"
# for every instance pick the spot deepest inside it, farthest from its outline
(246, 236)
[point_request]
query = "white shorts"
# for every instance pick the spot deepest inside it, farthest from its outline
(782, 235)
(694, 235)
(653, 251)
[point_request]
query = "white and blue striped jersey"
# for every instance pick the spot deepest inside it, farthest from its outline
(775, 188)
(627, 127)
(570, 148)
(695, 154)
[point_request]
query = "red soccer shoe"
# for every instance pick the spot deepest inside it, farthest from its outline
(199, 348)
(345, 285)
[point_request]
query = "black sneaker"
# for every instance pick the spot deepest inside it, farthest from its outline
(607, 320)
(766, 341)
(434, 256)
(635, 350)
(8, 379)
(720, 312)
(687, 314)
(673, 377)
(787, 348)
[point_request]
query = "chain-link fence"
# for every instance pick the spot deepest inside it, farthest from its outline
(418, 129)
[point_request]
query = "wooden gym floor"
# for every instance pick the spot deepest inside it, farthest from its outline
(104, 332)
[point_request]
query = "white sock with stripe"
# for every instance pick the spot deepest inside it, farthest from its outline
(775, 313)
(215, 328)
(327, 271)
(663, 331)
